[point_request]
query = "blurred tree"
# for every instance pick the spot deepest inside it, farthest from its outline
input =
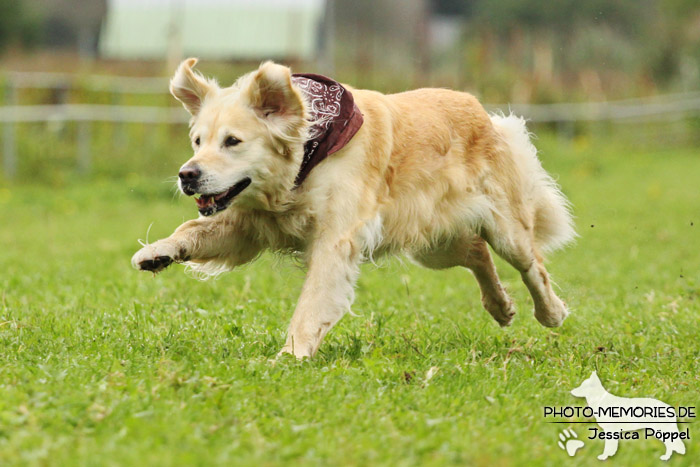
(453, 7)
(17, 24)
(562, 15)
(52, 23)
(10, 10)
(63, 28)
(592, 42)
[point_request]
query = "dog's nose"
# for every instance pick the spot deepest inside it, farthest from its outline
(189, 174)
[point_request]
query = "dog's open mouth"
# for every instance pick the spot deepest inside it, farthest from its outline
(210, 204)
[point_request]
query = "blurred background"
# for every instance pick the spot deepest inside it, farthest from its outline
(103, 365)
(84, 83)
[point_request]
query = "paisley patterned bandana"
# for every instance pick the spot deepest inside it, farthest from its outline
(335, 119)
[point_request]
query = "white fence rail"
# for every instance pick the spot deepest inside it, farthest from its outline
(92, 113)
(663, 107)
(657, 108)
(99, 83)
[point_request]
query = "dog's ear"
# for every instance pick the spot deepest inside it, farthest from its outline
(594, 375)
(189, 87)
(272, 96)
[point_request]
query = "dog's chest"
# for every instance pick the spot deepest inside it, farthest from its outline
(287, 231)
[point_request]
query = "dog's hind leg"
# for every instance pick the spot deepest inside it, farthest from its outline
(493, 295)
(514, 243)
(471, 251)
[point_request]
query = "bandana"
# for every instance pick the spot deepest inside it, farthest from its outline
(335, 119)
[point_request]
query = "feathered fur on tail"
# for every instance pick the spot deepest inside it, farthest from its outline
(554, 226)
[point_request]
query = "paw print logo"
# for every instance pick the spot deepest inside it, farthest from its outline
(569, 443)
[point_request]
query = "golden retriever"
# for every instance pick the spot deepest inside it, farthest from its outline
(429, 173)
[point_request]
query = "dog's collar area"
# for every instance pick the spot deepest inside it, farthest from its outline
(335, 119)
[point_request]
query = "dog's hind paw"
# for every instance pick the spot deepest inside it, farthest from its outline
(502, 309)
(553, 315)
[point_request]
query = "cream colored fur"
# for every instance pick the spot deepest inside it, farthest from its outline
(429, 174)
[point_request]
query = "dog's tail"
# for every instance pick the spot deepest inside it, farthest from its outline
(554, 226)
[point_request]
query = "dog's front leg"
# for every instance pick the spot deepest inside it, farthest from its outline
(325, 297)
(198, 240)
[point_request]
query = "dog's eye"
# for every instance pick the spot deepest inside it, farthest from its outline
(196, 141)
(231, 141)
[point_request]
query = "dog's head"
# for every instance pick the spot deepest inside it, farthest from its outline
(588, 387)
(247, 138)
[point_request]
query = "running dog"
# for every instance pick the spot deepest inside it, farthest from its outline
(303, 164)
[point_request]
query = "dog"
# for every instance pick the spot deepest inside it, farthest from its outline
(428, 173)
(606, 407)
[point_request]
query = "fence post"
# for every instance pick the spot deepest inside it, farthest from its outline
(84, 143)
(327, 55)
(119, 127)
(565, 131)
(9, 150)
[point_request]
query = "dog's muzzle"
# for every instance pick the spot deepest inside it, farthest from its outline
(189, 179)
(209, 204)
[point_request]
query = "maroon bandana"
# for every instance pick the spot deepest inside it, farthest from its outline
(335, 116)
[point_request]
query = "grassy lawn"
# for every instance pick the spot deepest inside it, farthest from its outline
(103, 365)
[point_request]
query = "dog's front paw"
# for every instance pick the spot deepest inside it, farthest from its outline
(154, 257)
(299, 351)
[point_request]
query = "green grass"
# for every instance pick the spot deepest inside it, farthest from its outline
(102, 365)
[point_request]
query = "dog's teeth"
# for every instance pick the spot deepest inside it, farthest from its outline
(205, 201)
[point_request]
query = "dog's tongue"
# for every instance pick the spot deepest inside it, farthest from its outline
(204, 201)
(220, 195)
